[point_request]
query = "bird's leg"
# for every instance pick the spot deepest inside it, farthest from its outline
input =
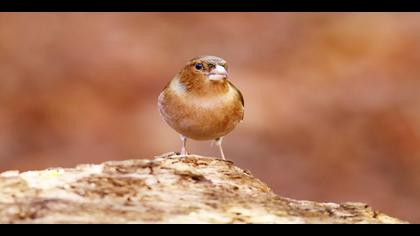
(184, 146)
(219, 144)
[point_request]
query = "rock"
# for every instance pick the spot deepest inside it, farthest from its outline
(168, 189)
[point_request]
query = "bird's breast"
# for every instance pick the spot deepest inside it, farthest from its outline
(201, 117)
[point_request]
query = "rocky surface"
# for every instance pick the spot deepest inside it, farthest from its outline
(168, 189)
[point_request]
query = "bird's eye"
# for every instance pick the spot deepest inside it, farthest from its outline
(198, 66)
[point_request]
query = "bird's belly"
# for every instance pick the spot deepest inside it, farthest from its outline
(202, 120)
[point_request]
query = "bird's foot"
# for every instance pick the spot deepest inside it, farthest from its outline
(184, 152)
(167, 154)
(181, 154)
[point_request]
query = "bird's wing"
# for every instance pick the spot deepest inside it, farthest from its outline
(239, 92)
(240, 97)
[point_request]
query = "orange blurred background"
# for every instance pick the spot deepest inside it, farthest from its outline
(332, 100)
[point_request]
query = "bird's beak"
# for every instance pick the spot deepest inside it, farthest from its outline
(218, 73)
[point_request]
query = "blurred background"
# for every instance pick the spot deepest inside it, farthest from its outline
(332, 100)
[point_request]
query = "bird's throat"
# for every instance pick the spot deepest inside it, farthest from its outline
(201, 86)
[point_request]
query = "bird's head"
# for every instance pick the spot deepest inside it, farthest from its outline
(209, 68)
(204, 75)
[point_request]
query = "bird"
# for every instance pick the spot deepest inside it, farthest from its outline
(200, 103)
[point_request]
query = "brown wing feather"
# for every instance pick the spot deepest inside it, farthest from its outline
(240, 96)
(239, 92)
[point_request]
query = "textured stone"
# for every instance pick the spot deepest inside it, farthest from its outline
(168, 189)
